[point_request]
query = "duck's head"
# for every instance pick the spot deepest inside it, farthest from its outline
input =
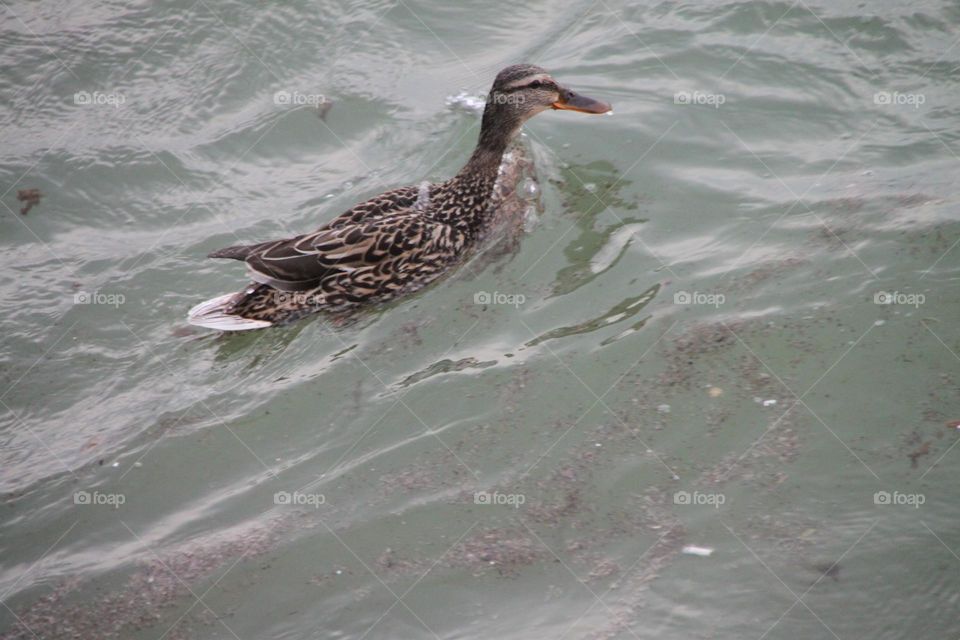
(520, 92)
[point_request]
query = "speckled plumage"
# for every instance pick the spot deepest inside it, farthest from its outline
(390, 245)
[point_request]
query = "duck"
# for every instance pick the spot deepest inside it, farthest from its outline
(394, 243)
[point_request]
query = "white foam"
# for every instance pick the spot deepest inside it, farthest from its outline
(467, 102)
(530, 219)
(423, 196)
(529, 188)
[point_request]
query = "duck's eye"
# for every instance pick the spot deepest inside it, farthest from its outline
(536, 84)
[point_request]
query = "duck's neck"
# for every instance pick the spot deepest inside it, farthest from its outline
(496, 131)
(465, 200)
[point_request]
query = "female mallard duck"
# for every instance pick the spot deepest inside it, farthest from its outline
(394, 243)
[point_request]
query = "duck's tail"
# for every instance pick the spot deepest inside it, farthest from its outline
(220, 313)
(257, 307)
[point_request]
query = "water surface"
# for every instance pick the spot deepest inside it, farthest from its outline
(732, 327)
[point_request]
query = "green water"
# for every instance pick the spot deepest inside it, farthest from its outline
(777, 165)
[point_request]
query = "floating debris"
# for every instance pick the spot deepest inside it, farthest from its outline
(506, 549)
(769, 403)
(694, 550)
(604, 569)
(389, 560)
(323, 108)
(715, 392)
(148, 593)
(663, 408)
(919, 452)
(30, 198)
(825, 569)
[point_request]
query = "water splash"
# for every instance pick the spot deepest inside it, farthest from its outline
(530, 219)
(529, 188)
(467, 102)
(423, 197)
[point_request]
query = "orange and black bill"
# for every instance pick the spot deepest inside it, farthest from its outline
(571, 101)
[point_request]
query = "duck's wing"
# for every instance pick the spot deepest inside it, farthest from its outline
(301, 263)
(386, 203)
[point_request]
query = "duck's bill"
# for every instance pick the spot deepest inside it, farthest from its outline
(570, 101)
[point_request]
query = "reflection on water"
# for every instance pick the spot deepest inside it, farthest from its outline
(445, 366)
(618, 313)
(591, 193)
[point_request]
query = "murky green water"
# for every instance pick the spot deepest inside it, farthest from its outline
(689, 348)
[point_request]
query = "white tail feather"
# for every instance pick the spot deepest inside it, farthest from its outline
(212, 314)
